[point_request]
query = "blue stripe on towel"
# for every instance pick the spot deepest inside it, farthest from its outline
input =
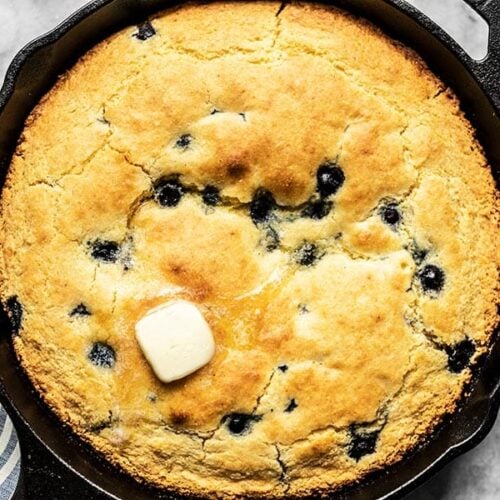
(3, 417)
(10, 458)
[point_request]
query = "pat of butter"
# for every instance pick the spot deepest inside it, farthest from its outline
(175, 339)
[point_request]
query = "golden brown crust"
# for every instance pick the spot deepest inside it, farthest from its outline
(353, 340)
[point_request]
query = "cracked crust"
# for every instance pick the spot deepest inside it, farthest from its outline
(266, 103)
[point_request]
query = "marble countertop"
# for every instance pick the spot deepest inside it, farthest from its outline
(475, 475)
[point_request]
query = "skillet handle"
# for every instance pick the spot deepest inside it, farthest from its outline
(487, 71)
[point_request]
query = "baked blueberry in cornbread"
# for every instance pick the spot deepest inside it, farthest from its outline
(311, 189)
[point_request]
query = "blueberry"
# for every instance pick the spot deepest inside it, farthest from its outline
(271, 240)
(211, 196)
(240, 423)
(283, 368)
(107, 251)
(168, 192)
(291, 406)
(184, 141)
(459, 355)
(362, 443)
(14, 311)
(102, 355)
(307, 254)
(390, 214)
(432, 278)
(262, 205)
(80, 310)
(318, 209)
(145, 31)
(330, 178)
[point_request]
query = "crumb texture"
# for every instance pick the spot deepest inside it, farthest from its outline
(311, 187)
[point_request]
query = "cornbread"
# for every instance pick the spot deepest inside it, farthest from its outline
(312, 188)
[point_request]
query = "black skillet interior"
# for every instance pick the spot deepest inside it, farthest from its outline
(35, 69)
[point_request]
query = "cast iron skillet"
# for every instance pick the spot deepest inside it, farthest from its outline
(33, 72)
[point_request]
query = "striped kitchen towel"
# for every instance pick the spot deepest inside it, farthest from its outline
(10, 457)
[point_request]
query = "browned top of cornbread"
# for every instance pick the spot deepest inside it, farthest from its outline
(343, 255)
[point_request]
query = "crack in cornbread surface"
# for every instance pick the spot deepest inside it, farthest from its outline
(344, 332)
